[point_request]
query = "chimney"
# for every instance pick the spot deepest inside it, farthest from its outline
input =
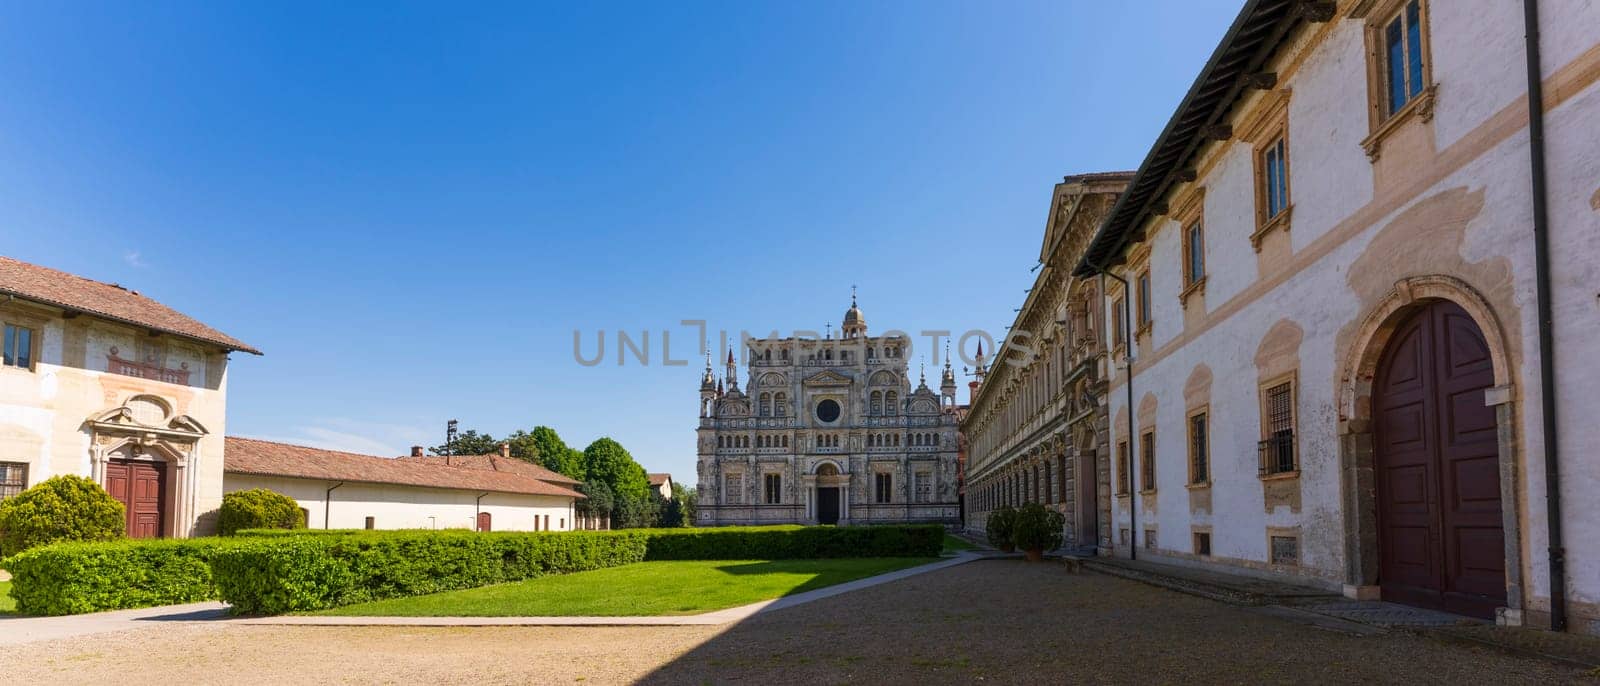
(505, 449)
(972, 393)
(416, 451)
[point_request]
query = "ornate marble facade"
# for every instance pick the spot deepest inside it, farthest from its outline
(829, 431)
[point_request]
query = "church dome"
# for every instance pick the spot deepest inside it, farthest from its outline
(853, 316)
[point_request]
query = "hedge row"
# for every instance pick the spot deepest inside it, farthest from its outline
(72, 578)
(275, 571)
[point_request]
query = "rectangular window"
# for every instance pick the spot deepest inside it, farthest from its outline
(1202, 543)
(1199, 450)
(1402, 56)
(883, 491)
(371, 523)
(1285, 550)
(1277, 447)
(733, 489)
(13, 478)
(1275, 178)
(774, 488)
(1194, 251)
(1150, 539)
(1124, 470)
(1116, 322)
(924, 486)
(18, 350)
(1144, 299)
(1147, 461)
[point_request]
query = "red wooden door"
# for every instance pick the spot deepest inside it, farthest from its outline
(141, 487)
(483, 521)
(1440, 535)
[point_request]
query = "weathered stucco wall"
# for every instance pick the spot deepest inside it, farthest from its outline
(410, 507)
(1449, 197)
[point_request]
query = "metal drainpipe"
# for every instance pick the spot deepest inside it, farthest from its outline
(1541, 252)
(1133, 484)
(327, 502)
(477, 510)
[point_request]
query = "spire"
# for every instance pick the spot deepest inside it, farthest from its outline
(732, 371)
(855, 323)
(708, 380)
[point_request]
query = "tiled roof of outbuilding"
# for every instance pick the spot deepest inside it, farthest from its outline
(269, 458)
(109, 301)
(496, 463)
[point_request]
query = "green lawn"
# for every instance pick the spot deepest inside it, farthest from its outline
(956, 545)
(645, 588)
(8, 606)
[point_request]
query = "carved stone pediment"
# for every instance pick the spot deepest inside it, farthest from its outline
(828, 378)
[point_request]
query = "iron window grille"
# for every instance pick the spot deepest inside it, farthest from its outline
(1198, 456)
(1277, 449)
(13, 479)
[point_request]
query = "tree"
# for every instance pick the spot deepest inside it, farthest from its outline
(469, 442)
(258, 508)
(598, 500)
(554, 453)
(60, 508)
(606, 461)
(678, 510)
(689, 501)
(523, 447)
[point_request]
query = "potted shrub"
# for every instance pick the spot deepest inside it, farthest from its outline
(1036, 529)
(999, 528)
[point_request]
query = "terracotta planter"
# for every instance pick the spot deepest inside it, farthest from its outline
(1034, 555)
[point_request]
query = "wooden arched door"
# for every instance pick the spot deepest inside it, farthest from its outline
(1441, 542)
(485, 522)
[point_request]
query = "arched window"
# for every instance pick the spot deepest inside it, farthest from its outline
(785, 441)
(744, 441)
(722, 442)
(767, 354)
(827, 354)
(869, 352)
(766, 404)
(897, 440)
(877, 403)
(891, 403)
(781, 404)
(936, 439)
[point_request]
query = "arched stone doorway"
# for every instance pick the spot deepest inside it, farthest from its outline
(829, 494)
(1428, 448)
(1440, 542)
(144, 456)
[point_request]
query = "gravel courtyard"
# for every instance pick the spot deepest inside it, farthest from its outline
(992, 622)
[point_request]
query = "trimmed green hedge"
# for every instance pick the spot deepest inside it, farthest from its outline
(268, 571)
(271, 575)
(73, 578)
(277, 573)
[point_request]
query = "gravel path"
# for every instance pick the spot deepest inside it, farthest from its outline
(990, 622)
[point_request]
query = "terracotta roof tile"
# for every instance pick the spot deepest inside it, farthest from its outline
(72, 292)
(658, 478)
(496, 463)
(268, 458)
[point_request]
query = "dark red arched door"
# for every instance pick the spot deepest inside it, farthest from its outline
(1440, 536)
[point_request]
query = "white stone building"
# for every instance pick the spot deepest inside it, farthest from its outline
(339, 490)
(1349, 290)
(830, 432)
(99, 381)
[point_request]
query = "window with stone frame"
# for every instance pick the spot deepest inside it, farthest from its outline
(1199, 448)
(1118, 336)
(733, 488)
(924, 486)
(20, 343)
(13, 478)
(883, 487)
(1194, 254)
(772, 488)
(1278, 428)
(1124, 469)
(1142, 302)
(1273, 169)
(1147, 462)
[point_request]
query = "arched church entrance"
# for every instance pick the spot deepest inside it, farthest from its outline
(827, 495)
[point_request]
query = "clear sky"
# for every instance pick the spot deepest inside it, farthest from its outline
(411, 207)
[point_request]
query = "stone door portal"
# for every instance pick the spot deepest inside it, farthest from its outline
(141, 487)
(827, 505)
(1440, 536)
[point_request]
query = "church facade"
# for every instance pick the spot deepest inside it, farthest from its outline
(827, 431)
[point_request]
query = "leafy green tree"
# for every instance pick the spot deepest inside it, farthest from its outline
(678, 511)
(688, 500)
(469, 442)
(554, 453)
(60, 508)
(635, 512)
(523, 447)
(598, 501)
(606, 461)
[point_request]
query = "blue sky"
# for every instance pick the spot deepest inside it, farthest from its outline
(411, 207)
